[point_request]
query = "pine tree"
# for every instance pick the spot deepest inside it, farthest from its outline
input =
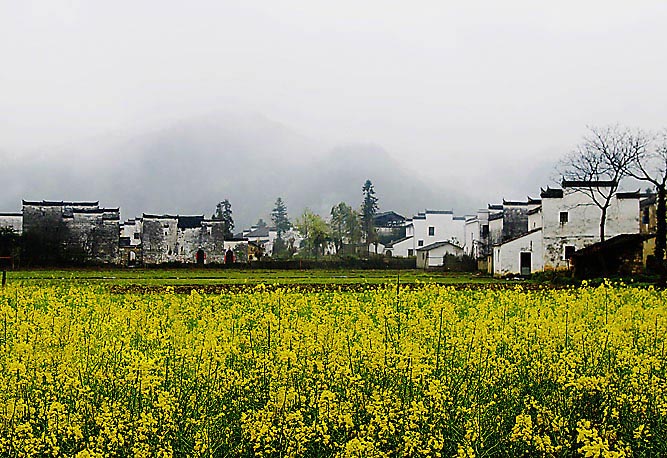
(369, 208)
(223, 212)
(282, 224)
(279, 217)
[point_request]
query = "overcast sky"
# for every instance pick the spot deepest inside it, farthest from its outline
(487, 92)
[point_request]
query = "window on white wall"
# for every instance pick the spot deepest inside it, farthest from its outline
(431, 231)
(564, 217)
(420, 243)
(411, 252)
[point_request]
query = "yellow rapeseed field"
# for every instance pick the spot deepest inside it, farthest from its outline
(428, 372)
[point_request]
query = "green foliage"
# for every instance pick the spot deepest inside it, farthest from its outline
(315, 233)
(223, 212)
(345, 228)
(241, 253)
(10, 243)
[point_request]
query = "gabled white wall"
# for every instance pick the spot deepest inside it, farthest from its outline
(472, 236)
(507, 257)
(435, 257)
(446, 226)
(583, 226)
(535, 220)
(401, 248)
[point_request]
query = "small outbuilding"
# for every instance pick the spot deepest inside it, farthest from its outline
(434, 254)
(621, 255)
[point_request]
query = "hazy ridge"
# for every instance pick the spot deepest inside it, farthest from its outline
(187, 167)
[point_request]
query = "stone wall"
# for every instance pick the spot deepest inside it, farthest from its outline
(64, 232)
(92, 235)
(159, 238)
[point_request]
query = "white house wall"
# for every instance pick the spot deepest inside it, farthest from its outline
(435, 256)
(446, 227)
(132, 230)
(583, 226)
(535, 220)
(507, 257)
(401, 248)
(495, 230)
(472, 236)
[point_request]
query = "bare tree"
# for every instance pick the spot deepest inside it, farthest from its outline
(600, 162)
(650, 165)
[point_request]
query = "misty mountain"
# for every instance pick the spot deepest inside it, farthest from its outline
(187, 167)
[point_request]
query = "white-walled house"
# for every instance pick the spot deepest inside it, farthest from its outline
(521, 255)
(433, 255)
(131, 230)
(571, 221)
(567, 220)
(476, 233)
(435, 226)
(262, 236)
(402, 247)
(426, 228)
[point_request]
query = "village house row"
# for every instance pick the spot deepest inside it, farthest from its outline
(512, 238)
(89, 233)
(554, 232)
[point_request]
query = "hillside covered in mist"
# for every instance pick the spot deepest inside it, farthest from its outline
(187, 167)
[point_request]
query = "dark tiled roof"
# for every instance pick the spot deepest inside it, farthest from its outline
(149, 216)
(495, 216)
(588, 183)
(53, 203)
(394, 242)
(259, 232)
(517, 237)
(551, 193)
(628, 195)
(389, 213)
(95, 210)
(190, 222)
(514, 202)
(439, 212)
(612, 243)
(459, 218)
(11, 214)
(495, 207)
(436, 245)
(650, 200)
(532, 211)
(529, 201)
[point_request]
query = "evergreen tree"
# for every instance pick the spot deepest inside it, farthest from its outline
(279, 217)
(223, 212)
(369, 208)
(261, 223)
(282, 224)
